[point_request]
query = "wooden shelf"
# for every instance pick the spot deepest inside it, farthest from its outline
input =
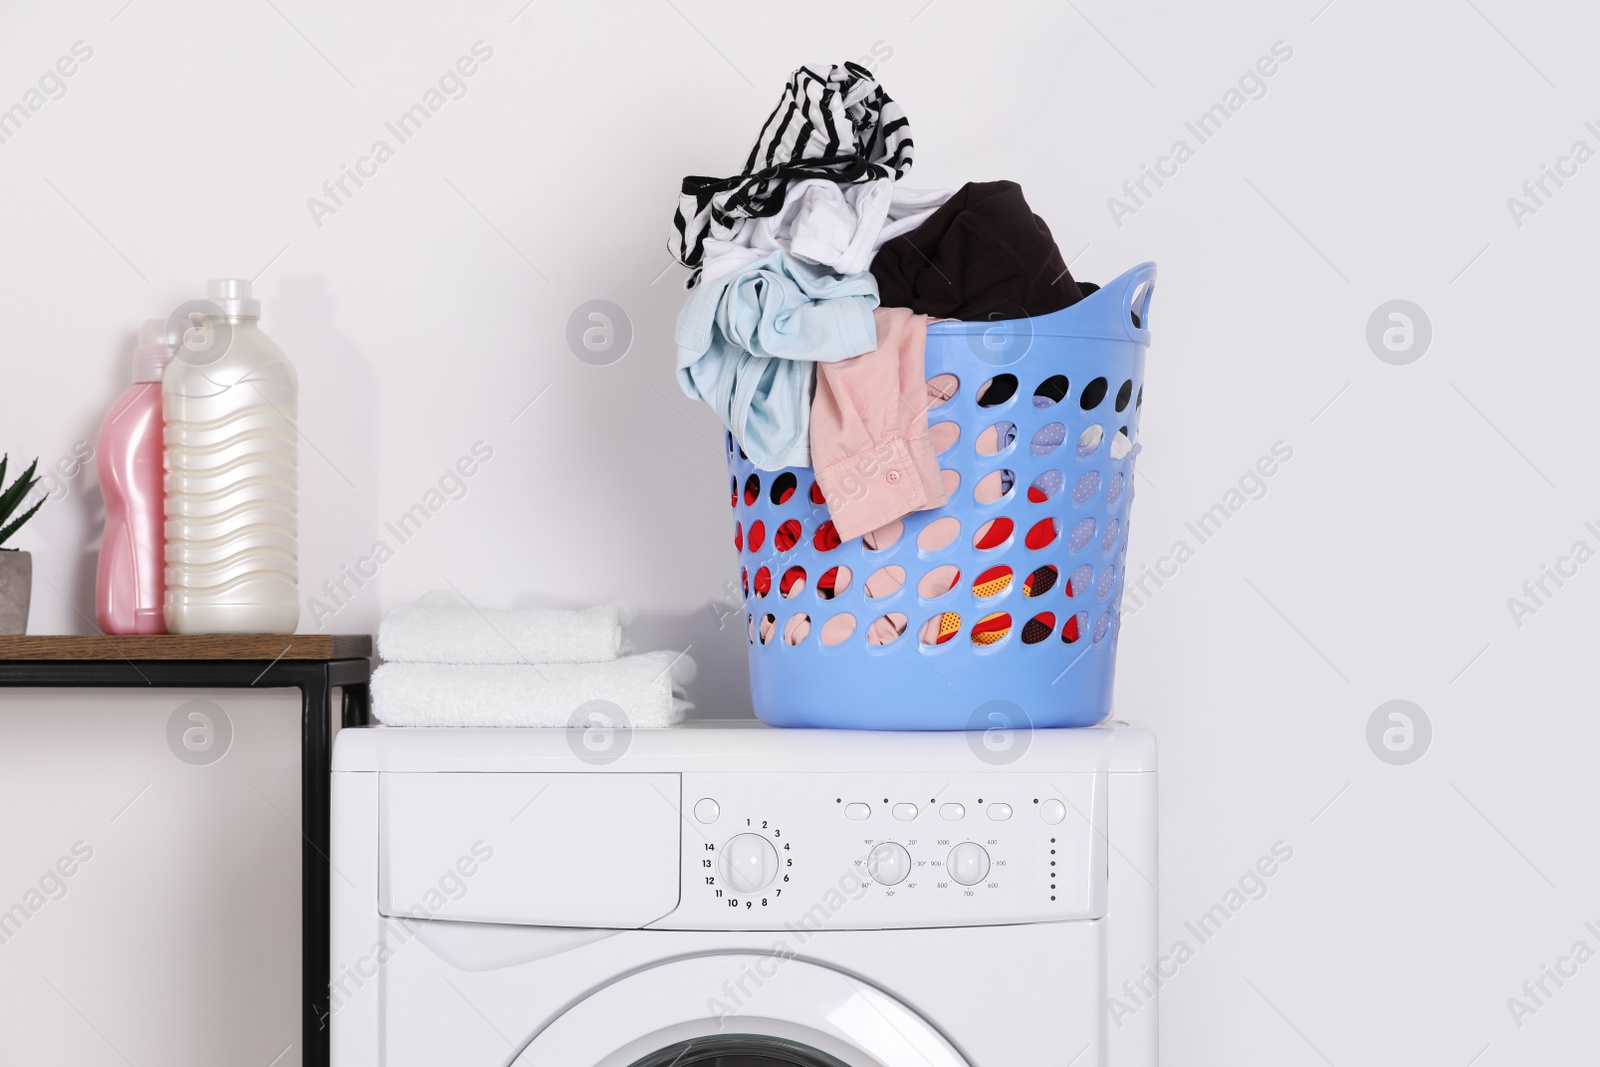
(187, 647)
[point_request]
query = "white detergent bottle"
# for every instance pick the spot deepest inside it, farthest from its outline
(229, 400)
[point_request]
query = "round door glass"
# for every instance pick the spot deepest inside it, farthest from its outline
(738, 1050)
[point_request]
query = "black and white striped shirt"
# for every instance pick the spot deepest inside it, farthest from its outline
(843, 127)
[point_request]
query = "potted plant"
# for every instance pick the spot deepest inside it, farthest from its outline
(16, 567)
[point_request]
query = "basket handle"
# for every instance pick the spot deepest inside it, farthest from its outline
(1133, 291)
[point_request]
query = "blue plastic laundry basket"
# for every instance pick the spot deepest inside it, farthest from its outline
(1026, 633)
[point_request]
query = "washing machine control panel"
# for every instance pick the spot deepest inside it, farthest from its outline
(854, 851)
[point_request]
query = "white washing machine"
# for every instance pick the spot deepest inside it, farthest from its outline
(738, 896)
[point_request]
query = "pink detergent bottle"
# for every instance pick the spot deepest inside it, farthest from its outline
(129, 585)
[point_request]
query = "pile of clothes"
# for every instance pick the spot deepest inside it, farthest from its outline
(815, 277)
(448, 662)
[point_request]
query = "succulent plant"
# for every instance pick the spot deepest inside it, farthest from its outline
(14, 496)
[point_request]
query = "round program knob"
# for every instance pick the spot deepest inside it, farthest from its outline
(889, 863)
(968, 863)
(748, 863)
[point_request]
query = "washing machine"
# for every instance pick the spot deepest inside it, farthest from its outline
(739, 896)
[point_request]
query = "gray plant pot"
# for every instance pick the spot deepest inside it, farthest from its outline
(16, 590)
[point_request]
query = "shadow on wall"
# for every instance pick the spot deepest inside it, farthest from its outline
(338, 447)
(721, 689)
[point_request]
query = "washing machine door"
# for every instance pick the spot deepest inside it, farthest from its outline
(739, 1010)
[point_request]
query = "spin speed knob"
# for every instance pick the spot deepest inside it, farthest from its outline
(748, 863)
(968, 863)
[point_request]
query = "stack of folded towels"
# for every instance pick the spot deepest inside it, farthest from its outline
(450, 663)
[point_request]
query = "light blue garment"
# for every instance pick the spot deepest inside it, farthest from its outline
(749, 342)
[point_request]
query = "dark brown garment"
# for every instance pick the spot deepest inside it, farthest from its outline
(983, 255)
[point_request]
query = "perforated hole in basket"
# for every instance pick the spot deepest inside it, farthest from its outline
(992, 582)
(837, 630)
(1114, 489)
(1109, 537)
(1041, 581)
(752, 490)
(1042, 534)
(793, 582)
(1081, 534)
(1051, 391)
(884, 536)
(1038, 628)
(1088, 485)
(939, 581)
(1047, 439)
(885, 581)
(997, 390)
(942, 388)
(993, 534)
(744, 581)
(738, 536)
(1046, 487)
(783, 487)
(834, 581)
(733, 496)
(767, 627)
(1090, 439)
(763, 582)
(1102, 588)
(994, 486)
(993, 440)
(992, 628)
(1121, 444)
(938, 534)
(797, 629)
(826, 539)
(940, 629)
(952, 481)
(944, 436)
(1093, 394)
(758, 535)
(816, 495)
(787, 535)
(1101, 624)
(1079, 582)
(1074, 628)
(1124, 394)
(886, 629)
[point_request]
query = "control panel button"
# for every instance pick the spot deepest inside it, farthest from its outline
(968, 863)
(748, 863)
(889, 863)
(857, 811)
(952, 812)
(1052, 811)
(706, 810)
(999, 812)
(905, 812)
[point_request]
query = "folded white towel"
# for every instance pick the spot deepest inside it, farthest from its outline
(647, 687)
(443, 627)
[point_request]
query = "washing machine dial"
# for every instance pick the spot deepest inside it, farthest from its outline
(748, 863)
(968, 863)
(889, 863)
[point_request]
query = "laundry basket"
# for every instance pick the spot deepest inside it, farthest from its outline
(969, 615)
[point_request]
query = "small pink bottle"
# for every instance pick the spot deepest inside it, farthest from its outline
(129, 586)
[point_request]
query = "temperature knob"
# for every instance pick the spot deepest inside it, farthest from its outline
(889, 863)
(968, 863)
(748, 863)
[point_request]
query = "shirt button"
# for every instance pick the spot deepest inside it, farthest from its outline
(892, 477)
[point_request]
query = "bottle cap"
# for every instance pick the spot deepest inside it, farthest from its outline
(156, 346)
(233, 296)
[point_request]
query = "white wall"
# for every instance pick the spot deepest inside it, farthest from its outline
(430, 309)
